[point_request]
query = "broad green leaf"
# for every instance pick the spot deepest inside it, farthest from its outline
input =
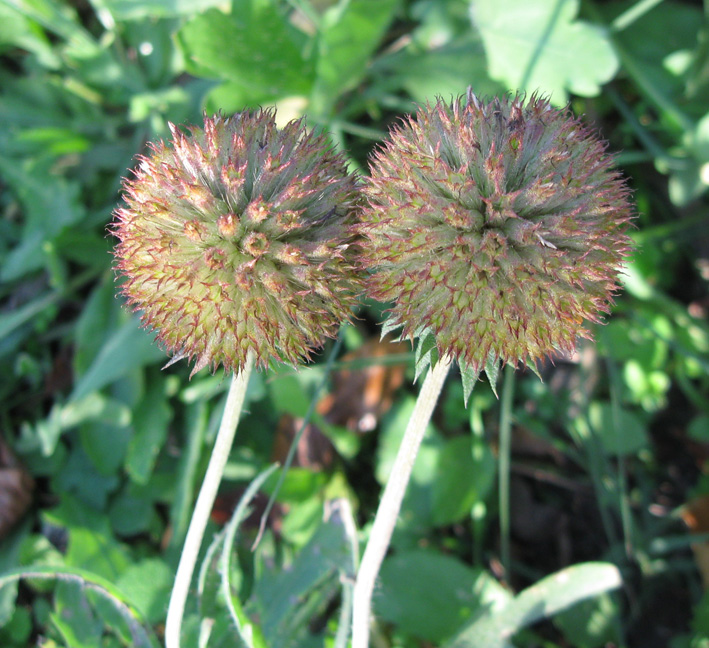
(91, 544)
(349, 33)
(465, 475)
(9, 554)
(50, 203)
(74, 617)
(592, 623)
(106, 445)
(311, 581)
(453, 593)
(59, 18)
(541, 47)
(103, 586)
(128, 348)
(147, 584)
(446, 71)
(547, 597)
(44, 435)
(151, 9)
(624, 436)
(150, 421)
(252, 46)
(79, 477)
(16, 30)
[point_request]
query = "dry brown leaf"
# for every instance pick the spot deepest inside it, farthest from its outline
(361, 396)
(16, 486)
(696, 516)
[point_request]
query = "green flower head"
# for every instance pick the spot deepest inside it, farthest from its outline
(498, 227)
(235, 238)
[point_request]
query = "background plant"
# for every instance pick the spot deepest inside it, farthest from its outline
(607, 451)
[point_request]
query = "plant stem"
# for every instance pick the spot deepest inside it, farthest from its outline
(390, 504)
(205, 501)
(508, 389)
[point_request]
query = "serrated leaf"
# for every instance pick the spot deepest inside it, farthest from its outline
(540, 46)
(469, 377)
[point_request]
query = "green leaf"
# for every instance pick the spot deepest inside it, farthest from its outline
(547, 597)
(9, 554)
(540, 46)
(625, 436)
(310, 582)
(91, 544)
(592, 623)
(147, 584)
(446, 71)
(129, 347)
(465, 475)
(106, 445)
(453, 592)
(244, 625)
(349, 33)
(79, 477)
(50, 204)
(103, 586)
(74, 617)
(252, 46)
(150, 421)
(131, 511)
(151, 9)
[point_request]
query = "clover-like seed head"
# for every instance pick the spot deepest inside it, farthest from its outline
(499, 227)
(235, 238)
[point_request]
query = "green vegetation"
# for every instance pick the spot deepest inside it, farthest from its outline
(602, 463)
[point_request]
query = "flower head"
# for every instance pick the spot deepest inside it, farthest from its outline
(498, 227)
(235, 239)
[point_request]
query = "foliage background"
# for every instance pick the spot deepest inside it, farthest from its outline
(609, 451)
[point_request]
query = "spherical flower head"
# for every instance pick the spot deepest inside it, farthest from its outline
(498, 227)
(235, 238)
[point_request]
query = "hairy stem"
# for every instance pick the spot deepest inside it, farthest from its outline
(205, 501)
(508, 388)
(390, 504)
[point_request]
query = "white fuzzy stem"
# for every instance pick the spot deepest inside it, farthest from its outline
(205, 502)
(390, 504)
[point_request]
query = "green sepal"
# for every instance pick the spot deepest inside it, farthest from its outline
(469, 376)
(492, 371)
(389, 325)
(426, 351)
